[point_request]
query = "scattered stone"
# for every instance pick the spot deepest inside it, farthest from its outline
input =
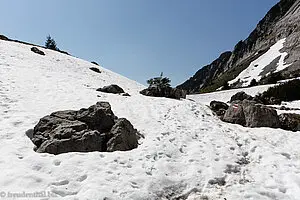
(95, 63)
(274, 101)
(243, 161)
(217, 181)
(2, 37)
(95, 69)
(92, 129)
(290, 121)
(240, 96)
(36, 50)
(115, 89)
(167, 92)
(218, 107)
(232, 169)
(29, 133)
(126, 95)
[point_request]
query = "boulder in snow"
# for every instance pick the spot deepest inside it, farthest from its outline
(218, 107)
(167, 92)
(115, 89)
(36, 50)
(124, 136)
(250, 114)
(290, 121)
(258, 115)
(92, 129)
(93, 62)
(235, 114)
(95, 69)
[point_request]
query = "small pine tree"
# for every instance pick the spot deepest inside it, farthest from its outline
(51, 44)
(160, 82)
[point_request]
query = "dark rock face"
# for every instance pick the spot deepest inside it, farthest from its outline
(3, 37)
(167, 92)
(95, 63)
(36, 50)
(115, 89)
(126, 95)
(123, 136)
(250, 114)
(240, 96)
(203, 76)
(261, 98)
(258, 115)
(95, 69)
(92, 129)
(235, 114)
(289, 121)
(218, 107)
(280, 22)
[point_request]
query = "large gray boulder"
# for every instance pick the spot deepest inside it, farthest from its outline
(115, 89)
(167, 92)
(250, 114)
(93, 129)
(290, 121)
(258, 115)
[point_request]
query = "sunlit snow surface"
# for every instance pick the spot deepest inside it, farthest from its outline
(184, 147)
(257, 66)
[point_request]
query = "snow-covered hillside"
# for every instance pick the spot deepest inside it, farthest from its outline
(185, 146)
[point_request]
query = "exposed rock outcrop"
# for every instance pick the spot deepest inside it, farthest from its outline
(36, 50)
(282, 21)
(115, 89)
(167, 92)
(218, 107)
(95, 69)
(290, 121)
(250, 114)
(93, 129)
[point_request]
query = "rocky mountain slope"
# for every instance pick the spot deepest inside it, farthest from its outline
(281, 24)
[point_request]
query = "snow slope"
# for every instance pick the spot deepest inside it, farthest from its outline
(257, 66)
(184, 147)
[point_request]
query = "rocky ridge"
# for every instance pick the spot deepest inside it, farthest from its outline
(280, 22)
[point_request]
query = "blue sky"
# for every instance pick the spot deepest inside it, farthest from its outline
(136, 38)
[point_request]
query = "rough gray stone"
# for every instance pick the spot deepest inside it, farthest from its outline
(95, 69)
(218, 107)
(124, 136)
(92, 129)
(167, 92)
(115, 89)
(258, 115)
(290, 121)
(235, 114)
(250, 114)
(36, 50)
